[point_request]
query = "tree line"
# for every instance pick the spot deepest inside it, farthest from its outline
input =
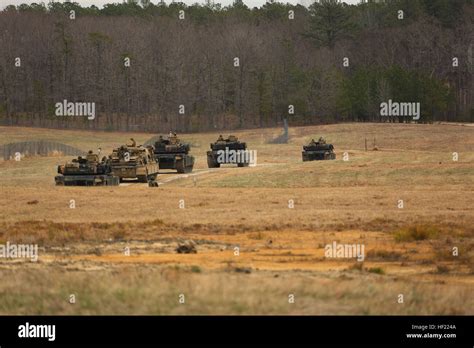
(155, 67)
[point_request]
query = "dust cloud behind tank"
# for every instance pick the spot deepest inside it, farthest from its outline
(171, 153)
(132, 162)
(318, 151)
(86, 171)
(221, 148)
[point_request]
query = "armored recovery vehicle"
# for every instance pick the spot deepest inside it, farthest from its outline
(318, 150)
(229, 150)
(86, 171)
(171, 153)
(134, 163)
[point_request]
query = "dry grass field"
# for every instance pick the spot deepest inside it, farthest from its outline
(408, 250)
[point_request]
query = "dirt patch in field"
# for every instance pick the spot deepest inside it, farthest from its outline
(284, 250)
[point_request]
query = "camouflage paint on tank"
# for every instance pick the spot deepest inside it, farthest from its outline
(171, 153)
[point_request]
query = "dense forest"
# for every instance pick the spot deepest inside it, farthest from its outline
(154, 67)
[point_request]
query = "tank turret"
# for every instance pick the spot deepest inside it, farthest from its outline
(86, 171)
(171, 153)
(227, 150)
(132, 162)
(318, 150)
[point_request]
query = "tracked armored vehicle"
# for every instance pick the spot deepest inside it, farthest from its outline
(132, 162)
(86, 171)
(229, 150)
(318, 150)
(171, 153)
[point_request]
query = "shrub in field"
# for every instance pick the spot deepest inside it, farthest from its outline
(416, 233)
(385, 255)
(442, 269)
(376, 270)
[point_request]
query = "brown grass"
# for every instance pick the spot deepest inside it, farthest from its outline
(155, 291)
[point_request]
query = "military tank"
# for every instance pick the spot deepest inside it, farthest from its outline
(318, 150)
(132, 162)
(229, 150)
(86, 171)
(171, 153)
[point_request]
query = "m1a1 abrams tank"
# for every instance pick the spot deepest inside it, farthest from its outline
(171, 153)
(229, 150)
(318, 150)
(135, 163)
(86, 171)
